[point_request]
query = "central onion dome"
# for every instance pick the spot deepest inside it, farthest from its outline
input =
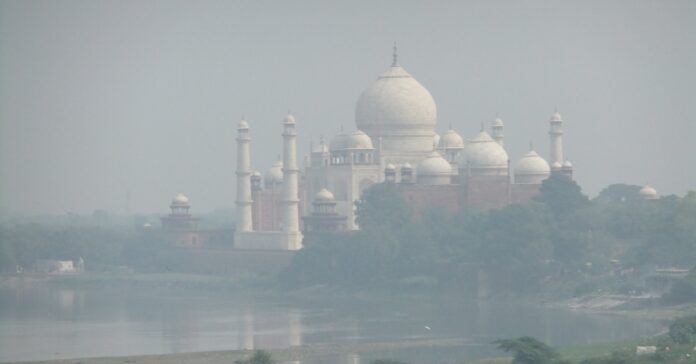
(484, 156)
(397, 109)
(531, 169)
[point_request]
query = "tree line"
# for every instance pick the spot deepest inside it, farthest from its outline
(561, 240)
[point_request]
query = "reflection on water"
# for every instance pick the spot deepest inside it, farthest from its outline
(38, 324)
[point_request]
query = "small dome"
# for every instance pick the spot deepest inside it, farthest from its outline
(289, 119)
(556, 165)
(532, 164)
(434, 165)
(406, 165)
(451, 140)
(390, 167)
(648, 193)
(483, 152)
(567, 164)
(436, 139)
(180, 200)
(321, 148)
(274, 175)
(340, 142)
(243, 124)
(556, 116)
(324, 196)
(498, 122)
(256, 174)
(359, 140)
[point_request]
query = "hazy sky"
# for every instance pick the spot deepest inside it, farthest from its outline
(101, 99)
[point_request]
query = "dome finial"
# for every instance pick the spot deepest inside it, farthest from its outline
(482, 126)
(531, 146)
(395, 57)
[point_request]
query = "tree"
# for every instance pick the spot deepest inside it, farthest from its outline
(683, 330)
(562, 195)
(527, 350)
(382, 208)
(259, 357)
(619, 192)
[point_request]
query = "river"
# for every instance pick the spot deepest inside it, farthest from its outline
(39, 323)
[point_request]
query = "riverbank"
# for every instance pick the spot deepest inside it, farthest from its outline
(295, 353)
(574, 354)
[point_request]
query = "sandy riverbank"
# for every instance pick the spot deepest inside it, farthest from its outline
(279, 355)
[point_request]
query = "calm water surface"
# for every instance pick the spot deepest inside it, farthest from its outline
(51, 323)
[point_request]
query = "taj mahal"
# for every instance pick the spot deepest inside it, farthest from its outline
(394, 141)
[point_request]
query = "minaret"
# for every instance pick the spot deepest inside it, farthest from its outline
(556, 134)
(244, 222)
(291, 220)
(498, 135)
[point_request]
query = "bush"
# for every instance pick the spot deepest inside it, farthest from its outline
(528, 350)
(683, 330)
(259, 357)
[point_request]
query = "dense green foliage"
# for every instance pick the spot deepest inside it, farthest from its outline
(528, 350)
(683, 330)
(560, 241)
(387, 361)
(259, 357)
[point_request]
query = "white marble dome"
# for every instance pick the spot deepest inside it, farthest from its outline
(400, 112)
(324, 196)
(321, 148)
(395, 99)
(498, 122)
(180, 200)
(436, 139)
(390, 167)
(340, 142)
(359, 140)
(289, 119)
(274, 175)
(556, 165)
(648, 193)
(434, 165)
(567, 164)
(243, 124)
(451, 140)
(556, 116)
(531, 169)
(484, 156)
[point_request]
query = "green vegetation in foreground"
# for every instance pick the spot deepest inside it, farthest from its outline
(677, 346)
(259, 357)
(559, 245)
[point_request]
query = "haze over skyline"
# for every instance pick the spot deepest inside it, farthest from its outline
(100, 100)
